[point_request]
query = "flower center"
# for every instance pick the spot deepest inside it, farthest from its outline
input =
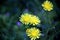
(34, 33)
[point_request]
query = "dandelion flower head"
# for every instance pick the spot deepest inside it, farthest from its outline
(25, 18)
(34, 20)
(47, 5)
(33, 33)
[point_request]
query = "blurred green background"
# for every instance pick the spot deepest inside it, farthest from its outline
(12, 29)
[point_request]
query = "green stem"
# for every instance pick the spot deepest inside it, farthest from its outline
(32, 39)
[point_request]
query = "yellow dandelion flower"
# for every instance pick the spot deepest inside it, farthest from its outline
(47, 5)
(29, 19)
(25, 18)
(33, 33)
(34, 20)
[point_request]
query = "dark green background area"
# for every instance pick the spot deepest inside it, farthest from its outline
(12, 29)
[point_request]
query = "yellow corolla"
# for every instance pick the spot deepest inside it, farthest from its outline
(47, 5)
(29, 19)
(33, 33)
(25, 18)
(34, 20)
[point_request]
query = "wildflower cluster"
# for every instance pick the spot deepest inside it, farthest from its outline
(29, 19)
(26, 19)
